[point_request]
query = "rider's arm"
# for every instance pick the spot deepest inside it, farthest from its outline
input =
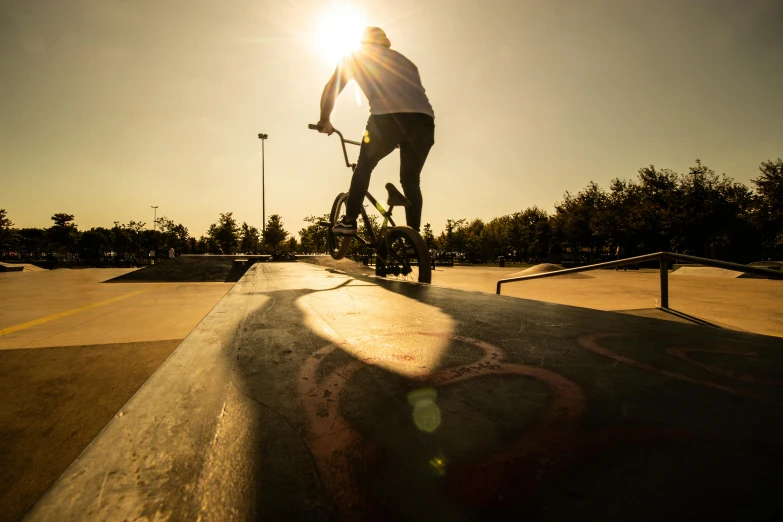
(332, 89)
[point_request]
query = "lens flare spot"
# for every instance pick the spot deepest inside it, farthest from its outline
(426, 414)
(438, 464)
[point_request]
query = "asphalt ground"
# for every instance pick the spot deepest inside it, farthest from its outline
(309, 394)
(73, 350)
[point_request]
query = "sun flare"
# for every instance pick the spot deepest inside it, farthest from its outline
(339, 31)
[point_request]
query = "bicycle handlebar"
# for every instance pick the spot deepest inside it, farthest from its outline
(314, 126)
(343, 141)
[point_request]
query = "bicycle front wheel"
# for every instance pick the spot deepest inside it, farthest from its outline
(403, 255)
(337, 244)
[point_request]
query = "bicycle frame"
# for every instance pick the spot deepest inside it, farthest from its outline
(393, 244)
(387, 215)
(387, 219)
(343, 141)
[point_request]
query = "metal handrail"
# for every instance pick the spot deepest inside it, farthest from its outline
(663, 258)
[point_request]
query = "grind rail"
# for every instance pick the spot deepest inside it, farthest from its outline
(663, 258)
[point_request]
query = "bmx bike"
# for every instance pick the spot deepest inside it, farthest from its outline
(400, 252)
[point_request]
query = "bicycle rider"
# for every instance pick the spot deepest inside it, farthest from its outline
(400, 114)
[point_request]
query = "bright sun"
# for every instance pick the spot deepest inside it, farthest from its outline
(339, 30)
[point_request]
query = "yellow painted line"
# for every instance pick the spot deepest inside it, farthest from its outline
(42, 320)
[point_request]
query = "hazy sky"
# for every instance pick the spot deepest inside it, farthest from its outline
(110, 106)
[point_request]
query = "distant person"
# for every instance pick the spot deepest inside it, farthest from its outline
(400, 114)
(171, 253)
(618, 253)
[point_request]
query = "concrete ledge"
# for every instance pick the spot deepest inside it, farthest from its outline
(148, 461)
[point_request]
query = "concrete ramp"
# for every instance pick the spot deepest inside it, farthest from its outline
(192, 269)
(308, 394)
(19, 267)
(706, 271)
(710, 271)
(543, 268)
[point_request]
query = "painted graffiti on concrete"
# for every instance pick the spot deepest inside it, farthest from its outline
(553, 442)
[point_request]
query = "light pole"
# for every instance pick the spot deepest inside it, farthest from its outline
(154, 216)
(263, 138)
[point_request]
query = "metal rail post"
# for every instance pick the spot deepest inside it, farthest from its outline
(664, 280)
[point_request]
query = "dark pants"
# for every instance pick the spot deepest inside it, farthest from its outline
(415, 134)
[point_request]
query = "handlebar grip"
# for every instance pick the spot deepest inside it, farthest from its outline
(313, 126)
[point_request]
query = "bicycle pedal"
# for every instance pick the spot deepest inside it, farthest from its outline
(325, 224)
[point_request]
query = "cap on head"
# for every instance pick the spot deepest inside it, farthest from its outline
(375, 35)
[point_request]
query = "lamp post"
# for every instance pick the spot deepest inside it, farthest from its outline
(154, 216)
(263, 138)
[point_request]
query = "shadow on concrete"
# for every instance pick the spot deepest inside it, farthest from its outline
(309, 395)
(191, 269)
(55, 401)
(534, 411)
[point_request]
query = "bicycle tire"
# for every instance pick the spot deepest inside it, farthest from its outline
(397, 262)
(338, 244)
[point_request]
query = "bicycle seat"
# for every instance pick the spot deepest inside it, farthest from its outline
(396, 199)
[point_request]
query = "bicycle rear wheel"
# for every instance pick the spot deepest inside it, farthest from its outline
(403, 255)
(337, 244)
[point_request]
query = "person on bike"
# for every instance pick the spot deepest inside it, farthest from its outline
(400, 115)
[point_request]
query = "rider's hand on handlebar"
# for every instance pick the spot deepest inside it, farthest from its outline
(325, 127)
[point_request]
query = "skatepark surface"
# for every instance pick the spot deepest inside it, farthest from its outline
(73, 350)
(310, 394)
(752, 305)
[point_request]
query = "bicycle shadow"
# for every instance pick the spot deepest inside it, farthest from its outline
(352, 419)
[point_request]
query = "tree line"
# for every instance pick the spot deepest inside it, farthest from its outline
(129, 244)
(699, 213)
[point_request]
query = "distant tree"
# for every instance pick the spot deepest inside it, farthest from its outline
(531, 233)
(452, 240)
(62, 219)
(206, 245)
(290, 245)
(577, 219)
(274, 233)
(63, 235)
(94, 242)
(127, 238)
(769, 206)
(495, 237)
(6, 232)
(173, 235)
(152, 241)
(224, 234)
(709, 206)
(33, 242)
(470, 236)
(428, 236)
(313, 237)
(249, 239)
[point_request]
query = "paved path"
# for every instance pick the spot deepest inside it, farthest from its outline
(753, 305)
(310, 395)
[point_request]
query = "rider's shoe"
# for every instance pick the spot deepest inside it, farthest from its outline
(345, 227)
